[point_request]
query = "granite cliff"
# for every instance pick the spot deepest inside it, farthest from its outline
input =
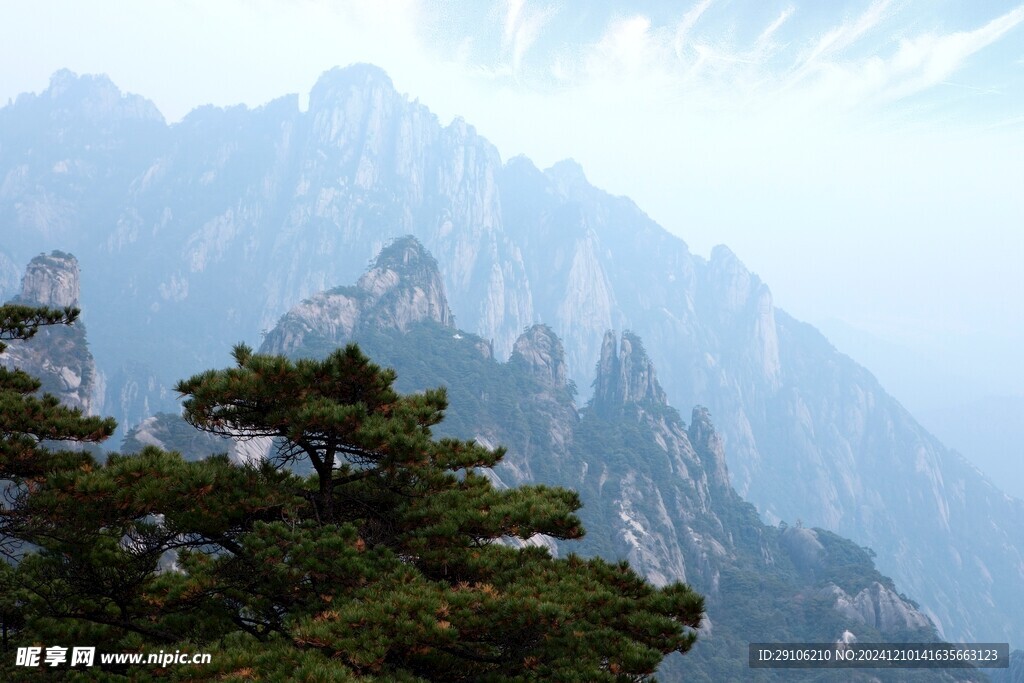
(655, 491)
(198, 235)
(59, 355)
(403, 288)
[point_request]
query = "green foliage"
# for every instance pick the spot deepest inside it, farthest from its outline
(27, 419)
(22, 322)
(759, 594)
(389, 561)
(176, 434)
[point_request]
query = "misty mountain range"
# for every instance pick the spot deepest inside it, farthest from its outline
(195, 236)
(655, 490)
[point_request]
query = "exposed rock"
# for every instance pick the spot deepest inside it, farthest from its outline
(10, 275)
(51, 280)
(171, 432)
(879, 608)
(804, 548)
(1012, 674)
(743, 306)
(541, 350)
(402, 288)
(653, 492)
(58, 355)
(96, 99)
(625, 375)
(220, 224)
(707, 443)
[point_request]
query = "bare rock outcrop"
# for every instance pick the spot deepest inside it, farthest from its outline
(58, 355)
(402, 288)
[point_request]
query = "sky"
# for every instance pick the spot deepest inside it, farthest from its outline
(865, 158)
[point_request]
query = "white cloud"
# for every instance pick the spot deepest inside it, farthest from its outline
(843, 36)
(928, 60)
(869, 60)
(520, 31)
(685, 26)
(764, 39)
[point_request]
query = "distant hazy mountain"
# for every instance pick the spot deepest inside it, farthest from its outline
(986, 429)
(198, 235)
(655, 490)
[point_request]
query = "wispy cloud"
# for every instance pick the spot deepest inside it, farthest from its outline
(521, 28)
(842, 37)
(869, 59)
(685, 26)
(764, 39)
(928, 60)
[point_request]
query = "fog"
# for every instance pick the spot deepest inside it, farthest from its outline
(863, 157)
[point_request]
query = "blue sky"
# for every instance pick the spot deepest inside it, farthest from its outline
(865, 158)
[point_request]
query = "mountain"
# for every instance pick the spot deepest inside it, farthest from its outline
(989, 431)
(965, 413)
(404, 287)
(655, 491)
(58, 356)
(197, 235)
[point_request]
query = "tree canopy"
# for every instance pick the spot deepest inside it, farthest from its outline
(395, 559)
(27, 420)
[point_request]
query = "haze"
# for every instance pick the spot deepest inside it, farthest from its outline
(863, 157)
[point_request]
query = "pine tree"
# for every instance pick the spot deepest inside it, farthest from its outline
(396, 559)
(430, 590)
(27, 420)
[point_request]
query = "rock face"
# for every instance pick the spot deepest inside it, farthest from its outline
(51, 280)
(654, 491)
(625, 376)
(541, 351)
(402, 288)
(170, 432)
(879, 607)
(58, 355)
(202, 234)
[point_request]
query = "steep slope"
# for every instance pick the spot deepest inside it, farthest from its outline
(655, 491)
(197, 235)
(59, 356)
(403, 288)
(990, 432)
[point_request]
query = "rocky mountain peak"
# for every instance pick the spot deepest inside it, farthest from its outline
(51, 280)
(96, 98)
(340, 81)
(58, 355)
(403, 287)
(708, 445)
(352, 103)
(540, 349)
(568, 177)
(731, 282)
(625, 375)
(409, 257)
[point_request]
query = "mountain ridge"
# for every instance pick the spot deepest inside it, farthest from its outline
(196, 234)
(654, 490)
